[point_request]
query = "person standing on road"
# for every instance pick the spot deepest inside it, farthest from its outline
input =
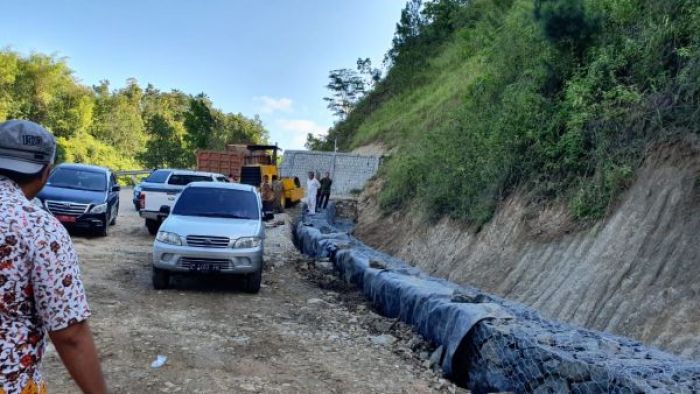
(312, 187)
(278, 190)
(267, 195)
(325, 190)
(40, 287)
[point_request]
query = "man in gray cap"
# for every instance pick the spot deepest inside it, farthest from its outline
(40, 287)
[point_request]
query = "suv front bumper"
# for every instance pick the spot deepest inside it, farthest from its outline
(188, 259)
(88, 221)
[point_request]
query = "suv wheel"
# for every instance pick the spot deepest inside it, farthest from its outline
(153, 226)
(161, 279)
(102, 231)
(115, 213)
(253, 281)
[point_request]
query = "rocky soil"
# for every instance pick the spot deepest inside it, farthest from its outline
(305, 332)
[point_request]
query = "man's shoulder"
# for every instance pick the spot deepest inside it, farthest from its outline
(33, 222)
(30, 209)
(13, 206)
(40, 220)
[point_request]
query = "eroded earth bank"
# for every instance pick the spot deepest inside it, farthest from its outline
(636, 273)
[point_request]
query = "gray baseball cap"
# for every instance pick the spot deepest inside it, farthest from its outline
(25, 147)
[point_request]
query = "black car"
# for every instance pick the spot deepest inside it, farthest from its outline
(82, 196)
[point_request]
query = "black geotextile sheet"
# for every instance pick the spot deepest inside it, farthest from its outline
(489, 343)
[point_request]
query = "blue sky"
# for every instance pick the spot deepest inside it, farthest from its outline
(269, 57)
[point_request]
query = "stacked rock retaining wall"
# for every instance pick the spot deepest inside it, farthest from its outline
(350, 172)
(492, 344)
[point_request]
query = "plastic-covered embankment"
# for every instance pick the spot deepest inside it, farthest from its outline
(492, 344)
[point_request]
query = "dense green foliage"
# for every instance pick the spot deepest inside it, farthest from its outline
(126, 128)
(557, 97)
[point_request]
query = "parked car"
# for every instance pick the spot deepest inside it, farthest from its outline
(213, 228)
(157, 177)
(82, 196)
(155, 195)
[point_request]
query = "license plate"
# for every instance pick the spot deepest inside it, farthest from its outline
(206, 268)
(65, 219)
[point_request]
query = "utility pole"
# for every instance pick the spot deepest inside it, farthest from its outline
(335, 154)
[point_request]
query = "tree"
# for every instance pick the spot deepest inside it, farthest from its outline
(237, 129)
(442, 18)
(407, 30)
(316, 143)
(118, 118)
(566, 22)
(163, 114)
(372, 75)
(9, 70)
(199, 123)
(119, 128)
(346, 86)
(165, 146)
(72, 112)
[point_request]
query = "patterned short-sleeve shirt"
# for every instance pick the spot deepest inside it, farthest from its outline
(40, 288)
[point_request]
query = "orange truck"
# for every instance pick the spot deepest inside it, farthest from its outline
(248, 164)
(228, 162)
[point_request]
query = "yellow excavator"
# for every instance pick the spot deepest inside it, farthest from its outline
(261, 160)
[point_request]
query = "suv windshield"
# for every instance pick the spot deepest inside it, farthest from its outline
(157, 176)
(218, 203)
(74, 178)
(184, 179)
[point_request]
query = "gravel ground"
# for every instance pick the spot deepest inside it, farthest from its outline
(305, 332)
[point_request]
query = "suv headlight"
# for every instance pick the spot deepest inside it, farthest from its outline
(102, 208)
(169, 238)
(247, 243)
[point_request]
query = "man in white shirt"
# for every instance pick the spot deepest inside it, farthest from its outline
(312, 186)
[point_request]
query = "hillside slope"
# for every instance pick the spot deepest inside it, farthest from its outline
(636, 273)
(557, 98)
(546, 151)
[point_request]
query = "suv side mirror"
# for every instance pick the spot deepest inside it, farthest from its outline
(164, 209)
(116, 188)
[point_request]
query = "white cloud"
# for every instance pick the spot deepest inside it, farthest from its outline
(294, 131)
(269, 105)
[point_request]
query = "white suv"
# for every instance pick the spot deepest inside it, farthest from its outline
(213, 228)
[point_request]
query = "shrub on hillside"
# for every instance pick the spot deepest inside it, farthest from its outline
(566, 22)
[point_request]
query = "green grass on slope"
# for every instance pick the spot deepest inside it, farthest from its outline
(504, 106)
(421, 110)
(458, 164)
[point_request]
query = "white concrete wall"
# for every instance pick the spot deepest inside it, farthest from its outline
(352, 171)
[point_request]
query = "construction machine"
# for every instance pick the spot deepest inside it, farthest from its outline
(261, 160)
(248, 164)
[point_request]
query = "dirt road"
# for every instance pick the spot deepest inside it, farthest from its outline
(292, 337)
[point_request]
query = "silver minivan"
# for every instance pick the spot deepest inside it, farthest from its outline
(213, 228)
